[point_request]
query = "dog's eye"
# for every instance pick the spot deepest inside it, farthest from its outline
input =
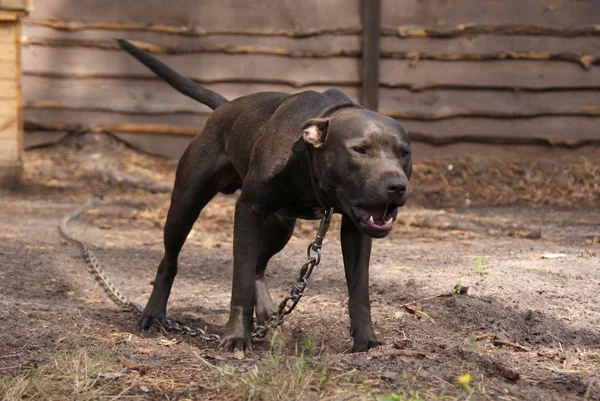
(405, 153)
(359, 149)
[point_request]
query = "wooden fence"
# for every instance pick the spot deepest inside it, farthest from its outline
(515, 73)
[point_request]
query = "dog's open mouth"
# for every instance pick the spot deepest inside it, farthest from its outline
(376, 219)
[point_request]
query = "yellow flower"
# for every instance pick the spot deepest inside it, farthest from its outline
(464, 379)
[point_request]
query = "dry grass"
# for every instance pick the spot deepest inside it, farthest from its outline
(308, 373)
(473, 180)
(84, 374)
(303, 375)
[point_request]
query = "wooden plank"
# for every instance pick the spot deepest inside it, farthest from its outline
(209, 67)
(8, 70)
(156, 97)
(170, 146)
(8, 52)
(7, 31)
(451, 13)
(208, 15)
(585, 59)
(500, 74)
(326, 45)
(422, 151)
(9, 130)
(8, 108)
(444, 104)
(212, 68)
(9, 149)
(14, 4)
(555, 128)
(485, 44)
(8, 89)
(312, 17)
(36, 139)
(371, 11)
(77, 120)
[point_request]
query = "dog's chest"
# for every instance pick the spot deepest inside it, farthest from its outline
(301, 212)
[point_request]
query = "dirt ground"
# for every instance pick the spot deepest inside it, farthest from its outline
(527, 328)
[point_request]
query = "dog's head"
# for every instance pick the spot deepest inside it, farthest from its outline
(363, 161)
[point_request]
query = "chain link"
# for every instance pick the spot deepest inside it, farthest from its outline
(289, 302)
(275, 320)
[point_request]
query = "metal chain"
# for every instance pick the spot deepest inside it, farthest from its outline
(289, 303)
(109, 288)
(274, 321)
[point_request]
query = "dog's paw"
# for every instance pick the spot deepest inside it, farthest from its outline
(232, 342)
(152, 320)
(363, 344)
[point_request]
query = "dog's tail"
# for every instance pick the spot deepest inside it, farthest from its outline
(177, 81)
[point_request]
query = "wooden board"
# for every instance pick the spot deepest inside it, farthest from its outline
(272, 15)
(8, 70)
(83, 62)
(209, 15)
(14, 4)
(423, 151)
(210, 67)
(443, 104)
(450, 13)
(317, 46)
(156, 97)
(555, 128)
(8, 89)
(171, 146)
(580, 52)
(498, 74)
(9, 98)
(60, 120)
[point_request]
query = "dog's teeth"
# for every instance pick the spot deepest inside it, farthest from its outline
(371, 220)
(388, 222)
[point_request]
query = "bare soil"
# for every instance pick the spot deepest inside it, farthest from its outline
(528, 327)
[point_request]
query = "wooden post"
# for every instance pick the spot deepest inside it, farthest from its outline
(11, 127)
(371, 27)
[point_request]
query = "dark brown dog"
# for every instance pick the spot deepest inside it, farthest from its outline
(361, 162)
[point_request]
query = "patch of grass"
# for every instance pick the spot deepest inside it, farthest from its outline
(479, 264)
(78, 375)
(408, 392)
(303, 375)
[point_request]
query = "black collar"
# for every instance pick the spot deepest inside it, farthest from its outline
(313, 182)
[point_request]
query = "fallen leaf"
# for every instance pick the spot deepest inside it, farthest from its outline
(168, 343)
(120, 338)
(110, 375)
(554, 255)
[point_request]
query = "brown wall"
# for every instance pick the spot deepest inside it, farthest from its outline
(454, 72)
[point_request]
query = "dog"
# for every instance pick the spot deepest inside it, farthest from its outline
(265, 144)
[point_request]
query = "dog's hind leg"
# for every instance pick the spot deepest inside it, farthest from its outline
(276, 233)
(204, 170)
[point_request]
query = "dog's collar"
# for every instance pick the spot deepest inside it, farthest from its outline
(313, 182)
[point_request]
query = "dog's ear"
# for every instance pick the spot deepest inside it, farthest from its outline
(314, 133)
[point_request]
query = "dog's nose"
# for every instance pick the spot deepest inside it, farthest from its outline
(396, 185)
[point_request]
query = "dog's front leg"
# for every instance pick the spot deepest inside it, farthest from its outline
(356, 248)
(248, 226)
